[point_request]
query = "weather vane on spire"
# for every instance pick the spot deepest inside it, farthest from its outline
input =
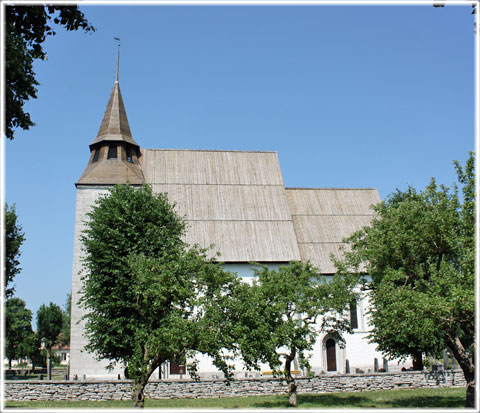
(118, 58)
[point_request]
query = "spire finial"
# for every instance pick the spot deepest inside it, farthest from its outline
(118, 59)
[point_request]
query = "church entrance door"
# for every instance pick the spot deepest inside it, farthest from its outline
(331, 356)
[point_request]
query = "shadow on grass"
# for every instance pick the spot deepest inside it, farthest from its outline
(366, 401)
(319, 401)
(427, 401)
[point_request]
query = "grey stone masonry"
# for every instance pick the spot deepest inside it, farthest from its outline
(170, 389)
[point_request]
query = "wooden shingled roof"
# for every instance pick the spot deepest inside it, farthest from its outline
(235, 200)
(114, 126)
(324, 217)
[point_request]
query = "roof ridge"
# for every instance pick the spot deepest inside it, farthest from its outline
(208, 150)
(333, 189)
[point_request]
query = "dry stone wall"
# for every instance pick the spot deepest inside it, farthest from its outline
(169, 389)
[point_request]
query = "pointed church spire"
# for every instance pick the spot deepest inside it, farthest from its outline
(114, 154)
(114, 126)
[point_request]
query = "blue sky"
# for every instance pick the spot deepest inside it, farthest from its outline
(349, 96)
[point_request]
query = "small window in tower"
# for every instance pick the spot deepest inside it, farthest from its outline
(112, 152)
(96, 155)
(129, 155)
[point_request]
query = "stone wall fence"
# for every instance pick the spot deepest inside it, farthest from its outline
(17, 390)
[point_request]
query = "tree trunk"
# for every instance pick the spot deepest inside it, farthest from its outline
(470, 395)
(292, 394)
(292, 387)
(10, 364)
(466, 364)
(469, 374)
(417, 361)
(140, 381)
(138, 394)
(49, 363)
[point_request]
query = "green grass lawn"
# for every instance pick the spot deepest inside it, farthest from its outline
(408, 398)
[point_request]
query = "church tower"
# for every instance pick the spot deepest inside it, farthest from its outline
(114, 159)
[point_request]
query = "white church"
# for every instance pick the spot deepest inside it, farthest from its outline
(236, 200)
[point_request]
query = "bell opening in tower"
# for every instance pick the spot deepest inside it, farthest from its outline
(112, 152)
(96, 155)
(129, 155)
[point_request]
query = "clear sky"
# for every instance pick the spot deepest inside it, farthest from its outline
(349, 96)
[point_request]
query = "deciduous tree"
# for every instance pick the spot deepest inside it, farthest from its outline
(18, 330)
(49, 326)
(420, 255)
(282, 314)
(64, 338)
(14, 238)
(34, 351)
(150, 298)
(26, 29)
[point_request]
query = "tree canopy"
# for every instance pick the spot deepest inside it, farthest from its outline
(26, 29)
(18, 329)
(150, 298)
(64, 338)
(49, 326)
(14, 238)
(420, 255)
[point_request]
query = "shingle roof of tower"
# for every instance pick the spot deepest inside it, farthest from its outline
(111, 172)
(115, 125)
